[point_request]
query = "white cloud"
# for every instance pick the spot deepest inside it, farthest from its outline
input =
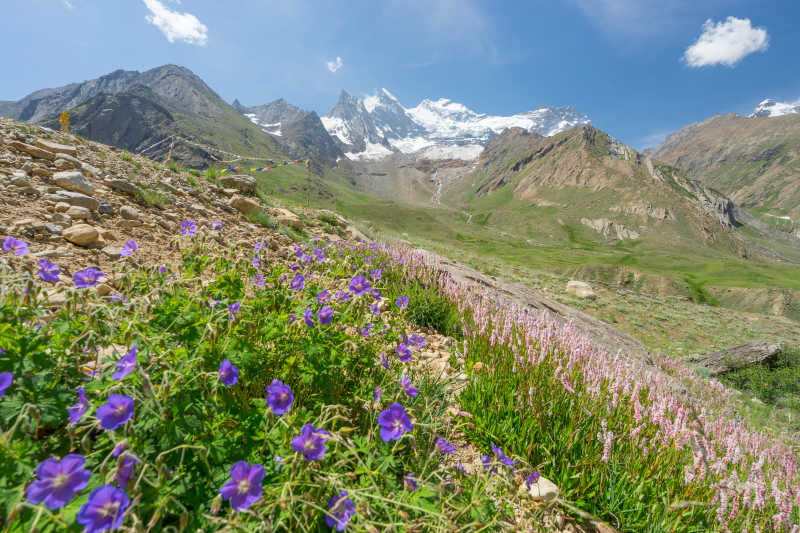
(334, 65)
(726, 43)
(176, 26)
(68, 4)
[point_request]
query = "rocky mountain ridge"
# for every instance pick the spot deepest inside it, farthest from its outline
(772, 108)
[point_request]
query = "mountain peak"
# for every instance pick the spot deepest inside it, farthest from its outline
(772, 108)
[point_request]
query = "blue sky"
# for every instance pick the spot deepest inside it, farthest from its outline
(638, 68)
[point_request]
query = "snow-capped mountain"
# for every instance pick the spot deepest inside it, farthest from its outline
(379, 125)
(771, 108)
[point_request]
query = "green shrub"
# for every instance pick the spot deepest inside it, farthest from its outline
(262, 219)
(151, 197)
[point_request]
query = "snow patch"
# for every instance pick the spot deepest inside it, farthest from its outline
(373, 151)
(771, 108)
(337, 128)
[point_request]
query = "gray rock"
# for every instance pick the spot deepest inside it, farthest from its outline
(55, 229)
(105, 208)
(121, 185)
(739, 356)
(129, 213)
(61, 219)
(89, 169)
(112, 252)
(580, 289)
(76, 198)
(242, 183)
(72, 180)
(79, 213)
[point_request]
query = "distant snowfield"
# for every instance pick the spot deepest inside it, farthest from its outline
(274, 128)
(442, 129)
(771, 108)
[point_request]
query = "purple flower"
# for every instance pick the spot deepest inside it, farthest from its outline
(322, 297)
(417, 340)
(126, 364)
(88, 277)
(394, 422)
(340, 509)
(119, 448)
(359, 285)
(307, 316)
(228, 373)
(48, 271)
(298, 281)
(401, 302)
(310, 442)
(375, 275)
(532, 478)
(163, 270)
(375, 309)
(216, 225)
(129, 249)
(410, 481)
(292, 318)
(319, 256)
(384, 361)
(376, 394)
(279, 397)
(364, 331)
(258, 280)
(376, 294)
(79, 408)
(58, 481)
(502, 457)
(244, 488)
(325, 315)
(125, 470)
(5, 382)
(258, 246)
(105, 509)
(280, 460)
(461, 467)
(444, 446)
(117, 411)
(233, 309)
(403, 352)
(343, 296)
(15, 245)
(118, 297)
(487, 463)
(188, 227)
(256, 262)
(410, 389)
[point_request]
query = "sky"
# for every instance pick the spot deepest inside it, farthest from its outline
(639, 69)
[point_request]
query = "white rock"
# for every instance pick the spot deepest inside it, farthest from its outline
(78, 212)
(580, 289)
(73, 180)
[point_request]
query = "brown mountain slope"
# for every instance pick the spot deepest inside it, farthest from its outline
(755, 161)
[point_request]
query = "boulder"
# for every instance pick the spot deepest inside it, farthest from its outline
(287, 218)
(56, 148)
(241, 183)
(246, 206)
(121, 185)
(82, 235)
(112, 252)
(79, 213)
(580, 289)
(732, 358)
(105, 208)
(129, 213)
(33, 151)
(543, 490)
(73, 180)
(76, 198)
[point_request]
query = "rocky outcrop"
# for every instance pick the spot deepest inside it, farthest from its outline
(740, 356)
(610, 229)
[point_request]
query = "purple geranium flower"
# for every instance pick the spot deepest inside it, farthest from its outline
(364, 331)
(359, 285)
(532, 478)
(256, 262)
(233, 309)
(487, 463)
(125, 470)
(216, 225)
(279, 397)
(401, 302)
(444, 446)
(48, 271)
(6, 378)
(403, 352)
(410, 481)
(17, 246)
(118, 297)
(410, 389)
(343, 296)
(307, 316)
(375, 309)
(292, 318)
(376, 394)
(319, 256)
(322, 297)
(88, 277)
(384, 361)
(258, 280)
(311, 442)
(394, 422)
(325, 315)
(79, 408)
(502, 457)
(129, 249)
(375, 275)
(58, 481)
(417, 340)
(163, 270)
(117, 411)
(188, 227)
(461, 467)
(340, 509)
(126, 364)
(105, 509)
(376, 294)
(280, 460)
(244, 488)
(228, 373)
(298, 281)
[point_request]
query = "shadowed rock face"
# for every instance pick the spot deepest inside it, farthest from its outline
(732, 358)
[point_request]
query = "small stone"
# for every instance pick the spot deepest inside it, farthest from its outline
(287, 218)
(61, 207)
(112, 252)
(61, 218)
(28, 166)
(103, 290)
(129, 224)
(73, 198)
(56, 148)
(53, 228)
(79, 213)
(62, 164)
(542, 490)
(105, 208)
(73, 180)
(128, 212)
(82, 235)
(243, 183)
(580, 289)
(108, 235)
(56, 297)
(121, 185)
(246, 206)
